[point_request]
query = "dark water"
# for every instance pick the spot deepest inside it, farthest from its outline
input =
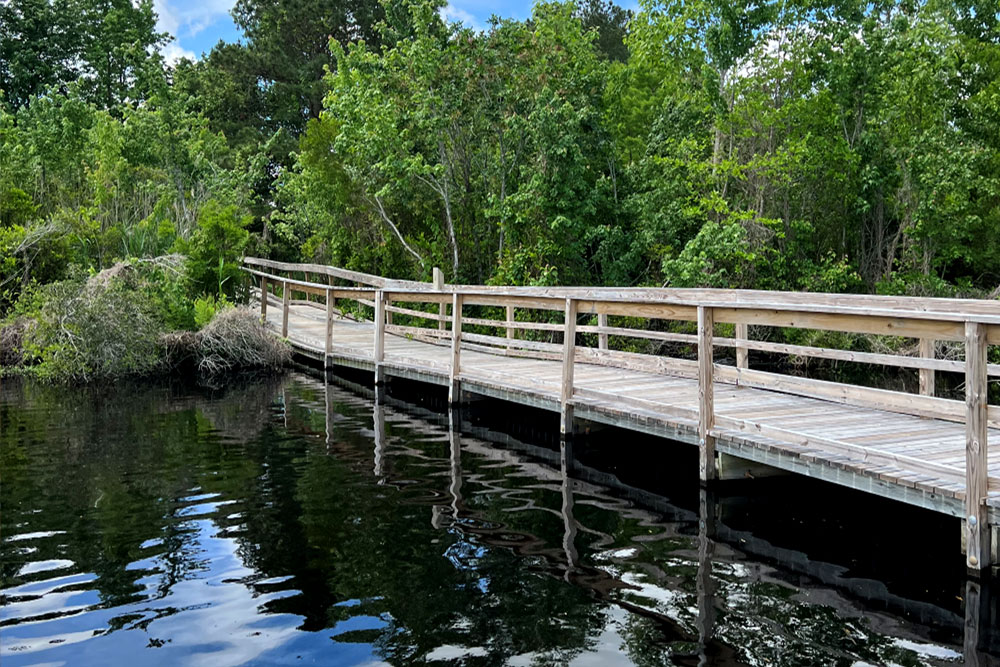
(288, 522)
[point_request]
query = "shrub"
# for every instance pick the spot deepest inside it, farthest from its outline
(206, 307)
(215, 248)
(97, 330)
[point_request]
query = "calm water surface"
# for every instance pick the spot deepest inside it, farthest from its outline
(285, 521)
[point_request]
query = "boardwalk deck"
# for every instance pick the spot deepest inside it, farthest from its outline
(660, 404)
(921, 448)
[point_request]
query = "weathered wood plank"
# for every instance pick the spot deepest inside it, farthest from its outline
(442, 307)
(976, 454)
(378, 348)
(568, 364)
(707, 469)
(263, 298)
(742, 351)
(286, 295)
(454, 388)
(927, 374)
(330, 301)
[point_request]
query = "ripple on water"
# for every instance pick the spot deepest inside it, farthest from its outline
(35, 567)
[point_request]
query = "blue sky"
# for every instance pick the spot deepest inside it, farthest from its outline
(198, 25)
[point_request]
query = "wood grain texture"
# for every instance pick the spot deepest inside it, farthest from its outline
(568, 366)
(976, 452)
(286, 295)
(330, 303)
(454, 389)
(707, 469)
(926, 350)
(742, 351)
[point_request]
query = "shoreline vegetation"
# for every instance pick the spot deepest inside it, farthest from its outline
(847, 146)
(128, 321)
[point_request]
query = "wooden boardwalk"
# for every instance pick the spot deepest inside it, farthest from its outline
(752, 427)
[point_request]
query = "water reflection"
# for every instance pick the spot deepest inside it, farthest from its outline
(291, 520)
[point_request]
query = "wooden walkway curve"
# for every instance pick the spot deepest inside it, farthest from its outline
(916, 448)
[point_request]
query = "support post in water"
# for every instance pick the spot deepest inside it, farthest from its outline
(977, 528)
(707, 469)
(742, 352)
(569, 356)
(286, 295)
(602, 338)
(329, 327)
(442, 307)
(379, 352)
(454, 384)
(263, 299)
(927, 374)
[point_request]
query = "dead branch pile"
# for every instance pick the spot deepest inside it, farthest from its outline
(235, 339)
(126, 269)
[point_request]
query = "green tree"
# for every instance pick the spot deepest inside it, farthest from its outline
(215, 249)
(109, 46)
(39, 45)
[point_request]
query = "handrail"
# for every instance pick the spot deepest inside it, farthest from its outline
(974, 322)
(332, 271)
(979, 310)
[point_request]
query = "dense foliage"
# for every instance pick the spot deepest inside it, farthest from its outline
(835, 145)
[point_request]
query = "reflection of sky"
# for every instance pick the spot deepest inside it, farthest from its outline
(220, 625)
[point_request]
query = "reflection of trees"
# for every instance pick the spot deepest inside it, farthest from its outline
(111, 466)
(435, 587)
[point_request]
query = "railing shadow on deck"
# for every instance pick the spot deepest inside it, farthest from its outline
(525, 322)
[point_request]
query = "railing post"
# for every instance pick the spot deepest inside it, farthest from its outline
(569, 357)
(602, 338)
(329, 326)
(927, 374)
(707, 469)
(388, 313)
(379, 352)
(510, 320)
(977, 528)
(263, 298)
(286, 295)
(742, 352)
(442, 307)
(454, 385)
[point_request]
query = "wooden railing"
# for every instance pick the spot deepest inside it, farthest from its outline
(970, 324)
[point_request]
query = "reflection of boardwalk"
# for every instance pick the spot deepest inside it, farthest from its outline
(712, 542)
(660, 404)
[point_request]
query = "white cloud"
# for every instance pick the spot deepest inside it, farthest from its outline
(173, 52)
(452, 14)
(187, 18)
